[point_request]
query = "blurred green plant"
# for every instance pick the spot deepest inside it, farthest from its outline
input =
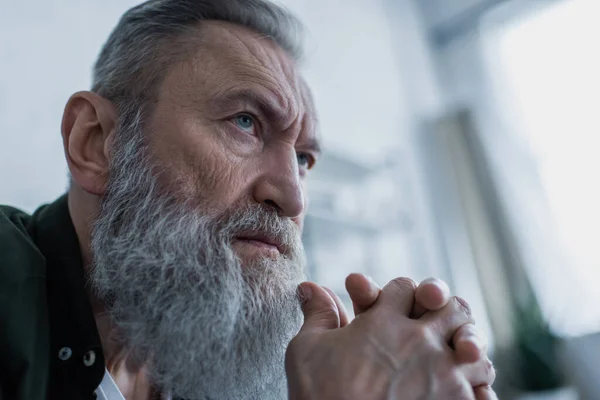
(537, 350)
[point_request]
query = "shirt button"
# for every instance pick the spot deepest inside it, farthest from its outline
(65, 353)
(89, 358)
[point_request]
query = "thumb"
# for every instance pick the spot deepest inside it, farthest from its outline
(319, 308)
(363, 292)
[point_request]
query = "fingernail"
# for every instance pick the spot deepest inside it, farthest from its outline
(304, 293)
(466, 307)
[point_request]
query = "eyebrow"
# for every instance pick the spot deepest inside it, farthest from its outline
(314, 144)
(265, 105)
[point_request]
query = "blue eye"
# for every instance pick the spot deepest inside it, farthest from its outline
(305, 160)
(245, 122)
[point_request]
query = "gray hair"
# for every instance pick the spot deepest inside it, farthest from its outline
(150, 37)
(206, 324)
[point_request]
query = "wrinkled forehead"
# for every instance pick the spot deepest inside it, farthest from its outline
(229, 57)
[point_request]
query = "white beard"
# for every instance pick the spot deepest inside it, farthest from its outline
(208, 327)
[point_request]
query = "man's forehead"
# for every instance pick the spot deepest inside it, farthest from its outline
(230, 55)
(229, 58)
(234, 40)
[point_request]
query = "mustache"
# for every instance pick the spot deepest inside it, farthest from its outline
(257, 220)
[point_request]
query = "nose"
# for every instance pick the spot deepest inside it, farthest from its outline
(280, 186)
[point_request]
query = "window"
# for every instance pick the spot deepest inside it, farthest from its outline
(548, 67)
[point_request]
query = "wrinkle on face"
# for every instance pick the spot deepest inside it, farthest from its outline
(187, 130)
(257, 60)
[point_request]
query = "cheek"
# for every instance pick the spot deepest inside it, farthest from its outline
(199, 168)
(213, 176)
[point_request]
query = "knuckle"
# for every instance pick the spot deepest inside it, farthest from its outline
(470, 330)
(458, 389)
(329, 307)
(481, 373)
(419, 330)
(423, 333)
(490, 371)
(460, 304)
(462, 393)
(403, 283)
(448, 375)
(327, 316)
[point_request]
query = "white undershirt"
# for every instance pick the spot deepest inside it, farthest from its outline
(108, 389)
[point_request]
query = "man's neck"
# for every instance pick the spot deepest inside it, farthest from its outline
(83, 208)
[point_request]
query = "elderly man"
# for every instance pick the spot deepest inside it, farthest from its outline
(171, 268)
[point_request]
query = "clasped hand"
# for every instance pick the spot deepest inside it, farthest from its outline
(406, 342)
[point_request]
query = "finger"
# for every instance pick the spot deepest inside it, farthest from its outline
(485, 393)
(469, 344)
(480, 373)
(398, 295)
(431, 295)
(319, 308)
(340, 306)
(447, 320)
(363, 292)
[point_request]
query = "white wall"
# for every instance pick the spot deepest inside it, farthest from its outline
(47, 49)
(355, 74)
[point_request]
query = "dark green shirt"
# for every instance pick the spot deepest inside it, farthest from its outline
(49, 343)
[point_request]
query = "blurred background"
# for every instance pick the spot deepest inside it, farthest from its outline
(461, 141)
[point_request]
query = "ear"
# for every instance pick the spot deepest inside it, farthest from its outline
(88, 127)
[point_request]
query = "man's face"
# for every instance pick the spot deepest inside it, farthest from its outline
(235, 125)
(196, 248)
